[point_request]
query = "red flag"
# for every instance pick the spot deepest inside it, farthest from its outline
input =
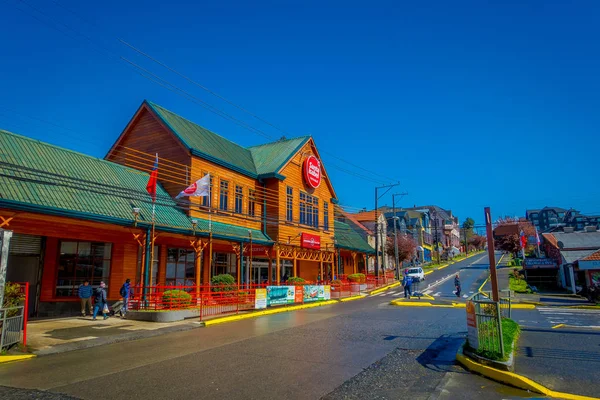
(151, 186)
(523, 240)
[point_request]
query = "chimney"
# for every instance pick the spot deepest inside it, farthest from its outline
(591, 228)
(568, 229)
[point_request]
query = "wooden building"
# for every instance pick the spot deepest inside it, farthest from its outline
(269, 216)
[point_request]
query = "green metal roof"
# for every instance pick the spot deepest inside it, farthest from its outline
(39, 177)
(348, 238)
(266, 159)
(271, 157)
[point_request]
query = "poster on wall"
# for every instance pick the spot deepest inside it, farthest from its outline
(280, 295)
(299, 294)
(260, 299)
(327, 292)
(472, 333)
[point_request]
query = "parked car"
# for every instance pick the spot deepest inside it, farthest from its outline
(416, 274)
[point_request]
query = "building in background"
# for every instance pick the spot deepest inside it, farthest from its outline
(552, 218)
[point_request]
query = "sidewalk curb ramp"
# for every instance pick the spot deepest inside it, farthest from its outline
(513, 379)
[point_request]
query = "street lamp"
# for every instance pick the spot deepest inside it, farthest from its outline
(377, 197)
(194, 225)
(136, 214)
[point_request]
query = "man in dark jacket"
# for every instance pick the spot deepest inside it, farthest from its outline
(457, 285)
(85, 295)
(125, 293)
(100, 301)
(407, 283)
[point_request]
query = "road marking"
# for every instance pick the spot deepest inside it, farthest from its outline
(558, 326)
(465, 296)
(437, 294)
(397, 294)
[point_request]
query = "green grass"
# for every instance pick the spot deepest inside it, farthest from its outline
(510, 334)
(518, 285)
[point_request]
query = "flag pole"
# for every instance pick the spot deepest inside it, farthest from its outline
(153, 228)
(210, 241)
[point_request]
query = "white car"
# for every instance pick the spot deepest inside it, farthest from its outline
(416, 274)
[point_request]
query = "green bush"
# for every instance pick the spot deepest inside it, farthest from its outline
(13, 297)
(357, 278)
(176, 299)
(518, 285)
(223, 283)
(296, 280)
(510, 334)
(336, 282)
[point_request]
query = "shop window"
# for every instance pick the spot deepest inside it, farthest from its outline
(326, 215)
(80, 261)
(224, 195)
(309, 210)
(239, 198)
(225, 263)
(251, 202)
(181, 268)
(290, 204)
(206, 199)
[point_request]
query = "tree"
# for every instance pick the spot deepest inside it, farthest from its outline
(477, 242)
(512, 242)
(467, 230)
(406, 247)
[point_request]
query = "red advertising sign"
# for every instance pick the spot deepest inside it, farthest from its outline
(312, 172)
(299, 294)
(311, 241)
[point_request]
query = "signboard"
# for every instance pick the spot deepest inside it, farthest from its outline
(327, 292)
(539, 263)
(472, 333)
(316, 293)
(589, 264)
(260, 299)
(280, 295)
(299, 295)
(312, 172)
(309, 241)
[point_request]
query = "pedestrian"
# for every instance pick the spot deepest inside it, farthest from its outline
(85, 295)
(100, 303)
(125, 293)
(407, 283)
(457, 285)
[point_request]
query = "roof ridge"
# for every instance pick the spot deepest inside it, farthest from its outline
(4, 131)
(278, 141)
(192, 122)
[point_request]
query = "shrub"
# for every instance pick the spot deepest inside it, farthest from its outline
(357, 278)
(13, 297)
(296, 280)
(336, 282)
(176, 299)
(223, 283)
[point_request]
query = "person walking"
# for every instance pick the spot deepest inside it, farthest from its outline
(85, 296)
(457, 285)
(100, 302)
(407, 283)
(125, 293)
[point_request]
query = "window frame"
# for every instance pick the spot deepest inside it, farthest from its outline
(326, 216)
(223, 195)
(289, 214)
(251, 203)
(180, 264)
(207, 200)
(239, 199)
(309, 210)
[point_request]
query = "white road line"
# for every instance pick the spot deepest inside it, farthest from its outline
(427, 291)
(397, 294)
(437, 294)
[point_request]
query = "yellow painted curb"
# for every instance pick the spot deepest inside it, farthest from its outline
(513, 379)
(383, 289)
(7, 359)
(429, 272)
(442, 267)
(362, 296)
(267, 312)
(417, 304)
(522, 306)
(558, 326)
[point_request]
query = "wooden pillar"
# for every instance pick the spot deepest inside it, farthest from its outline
(210, 255)
(239, 266)
(277, 265)
(295, 267)
(162, 265)
(354, 261)
(143, 260)
(321, 266)
(205, 267)
(270, 269)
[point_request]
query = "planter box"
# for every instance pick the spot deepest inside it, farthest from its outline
(501, 365)
(163, 316)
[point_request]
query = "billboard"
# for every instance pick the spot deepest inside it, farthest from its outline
(280, 295)
(316, 293)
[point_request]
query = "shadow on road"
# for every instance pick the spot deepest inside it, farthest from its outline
(440, 356)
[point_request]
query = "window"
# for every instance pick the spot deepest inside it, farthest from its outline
(79, 261)
(290, 204)
(309, 210)
(239, 197)
(181, 269)
(326, 215)
(251, 202)
(206, 200)
(224, 195)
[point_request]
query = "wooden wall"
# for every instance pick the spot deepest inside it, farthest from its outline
(147, 134)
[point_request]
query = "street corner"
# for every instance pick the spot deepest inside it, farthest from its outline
(11, 358)
(383, 289)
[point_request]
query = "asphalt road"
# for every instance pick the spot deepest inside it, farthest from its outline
(363, 349)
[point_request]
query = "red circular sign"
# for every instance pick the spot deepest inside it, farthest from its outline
(312, 172)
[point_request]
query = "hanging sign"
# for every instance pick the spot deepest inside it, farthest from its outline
(312, 172)
(309, 241)
(472, 332)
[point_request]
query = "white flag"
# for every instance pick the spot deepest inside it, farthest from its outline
(200, 188)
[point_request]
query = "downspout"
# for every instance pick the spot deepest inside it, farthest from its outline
(147, 262)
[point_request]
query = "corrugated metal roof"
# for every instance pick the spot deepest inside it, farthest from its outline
(569, 257)
(269, 158)
(50, 179)
(578, 240)
(348, 238)
(593, 257)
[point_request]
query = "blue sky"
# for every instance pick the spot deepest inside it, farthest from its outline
(466, 104)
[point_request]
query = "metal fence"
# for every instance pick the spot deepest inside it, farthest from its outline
(11, 325)
(488, 318)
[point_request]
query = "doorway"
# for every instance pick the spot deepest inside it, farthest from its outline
(25, 265)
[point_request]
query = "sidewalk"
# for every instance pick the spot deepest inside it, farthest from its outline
(65, 334)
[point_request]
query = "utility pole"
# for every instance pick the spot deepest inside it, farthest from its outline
(395, 219)
(492, 257)
(466, 244)
(377, 197)
(437, 241)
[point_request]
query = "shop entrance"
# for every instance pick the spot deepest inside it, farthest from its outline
(260, 271)
(25, 265)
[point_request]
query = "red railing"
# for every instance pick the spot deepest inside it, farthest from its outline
(24, 288)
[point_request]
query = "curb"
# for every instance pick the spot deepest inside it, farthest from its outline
(580, 307)
(398, 303)
(513, 379)
(360, 296)
(9, 359)
(383, 289)
(267, 312)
